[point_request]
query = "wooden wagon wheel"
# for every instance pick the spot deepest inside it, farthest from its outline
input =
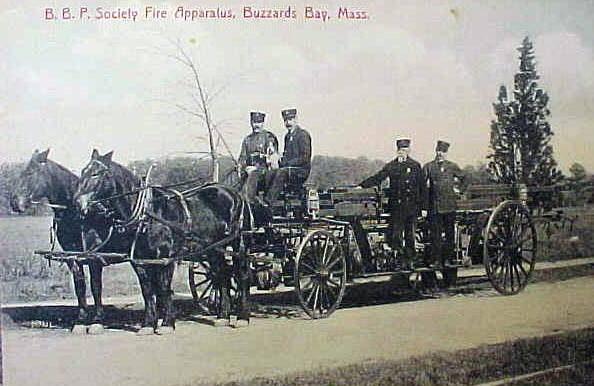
(510, 245)
(320, 273)
(206, 294)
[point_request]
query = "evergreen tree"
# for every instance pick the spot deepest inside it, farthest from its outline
(521, 135)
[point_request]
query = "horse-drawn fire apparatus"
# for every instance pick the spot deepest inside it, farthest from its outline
(318, 241)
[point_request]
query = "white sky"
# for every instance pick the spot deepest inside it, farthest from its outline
(416, 68)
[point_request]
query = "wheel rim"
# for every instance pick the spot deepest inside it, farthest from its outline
(320, 274)
(510, 248)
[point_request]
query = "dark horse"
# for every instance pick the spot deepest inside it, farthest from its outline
(205, 223)
(167, 227)
(44, 179)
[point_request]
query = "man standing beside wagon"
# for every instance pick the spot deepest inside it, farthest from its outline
(404, 201)
(441, 183)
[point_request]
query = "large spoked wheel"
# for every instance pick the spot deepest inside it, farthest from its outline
(320, 273)
(206, 294)
(510, 245)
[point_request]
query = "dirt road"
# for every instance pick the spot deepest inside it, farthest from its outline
(272, 346)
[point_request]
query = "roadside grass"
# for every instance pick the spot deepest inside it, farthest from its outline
(472, 366)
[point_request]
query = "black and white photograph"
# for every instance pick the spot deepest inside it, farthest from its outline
(296, 193)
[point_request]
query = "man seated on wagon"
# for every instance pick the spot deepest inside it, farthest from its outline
(295, 164)
(442, 179)
(258, 151)
(404, 201)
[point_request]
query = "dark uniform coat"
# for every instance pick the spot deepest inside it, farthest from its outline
(255, 146)
(297, 149)
(440, 182)
(405, 186)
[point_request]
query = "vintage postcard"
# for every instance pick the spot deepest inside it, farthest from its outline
(296, 193)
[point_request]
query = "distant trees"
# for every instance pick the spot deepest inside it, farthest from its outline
(476, 175)
(329, 171)
(180, 169)
(520, 134)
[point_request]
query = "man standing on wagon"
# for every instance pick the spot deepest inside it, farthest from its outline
(258, 150)
(404, 201)
(441, 182)
(295, 164)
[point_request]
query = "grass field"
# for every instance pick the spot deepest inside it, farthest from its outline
(27, 277)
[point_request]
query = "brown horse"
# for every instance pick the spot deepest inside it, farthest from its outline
(44, 179)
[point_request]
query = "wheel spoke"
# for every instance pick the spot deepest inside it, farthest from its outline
(523, 270)
(313, 290)
(331, 290)
(325, 252)
(337, 285)
(309, 284)
(333, 263)
(511, 276)
(329, 255)
(304, 264)
(204, 293)
(495, 274)
(520, 280)
(201, 282)
(315, 305)
(324, 304)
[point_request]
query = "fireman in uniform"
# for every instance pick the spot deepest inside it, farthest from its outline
(295, 164)
(404, 202)
(258, 151)
(442, 179)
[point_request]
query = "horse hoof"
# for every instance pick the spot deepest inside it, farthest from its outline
(165, 330)
(241, 323)
(96, 329)
(79, 329)
(221, 322)
(146, 331)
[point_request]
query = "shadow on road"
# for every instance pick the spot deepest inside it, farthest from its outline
(272, 305)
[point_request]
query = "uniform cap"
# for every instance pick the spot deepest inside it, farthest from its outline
(442, 146)
(289, 114)
(402, 142)
(257, 117)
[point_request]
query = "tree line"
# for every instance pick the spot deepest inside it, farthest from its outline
(327, 172)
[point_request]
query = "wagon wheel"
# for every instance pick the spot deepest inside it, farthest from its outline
(509, 250)
(320, 273)
(202, 279)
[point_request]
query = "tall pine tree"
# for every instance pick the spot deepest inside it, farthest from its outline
(520, 134)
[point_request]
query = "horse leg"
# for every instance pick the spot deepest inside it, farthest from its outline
(165, 298)
(80, 288)
(96, 270)
(223, 284)
(149, 323)
(243, 278)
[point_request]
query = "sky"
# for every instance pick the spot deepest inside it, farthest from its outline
(426, 70)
